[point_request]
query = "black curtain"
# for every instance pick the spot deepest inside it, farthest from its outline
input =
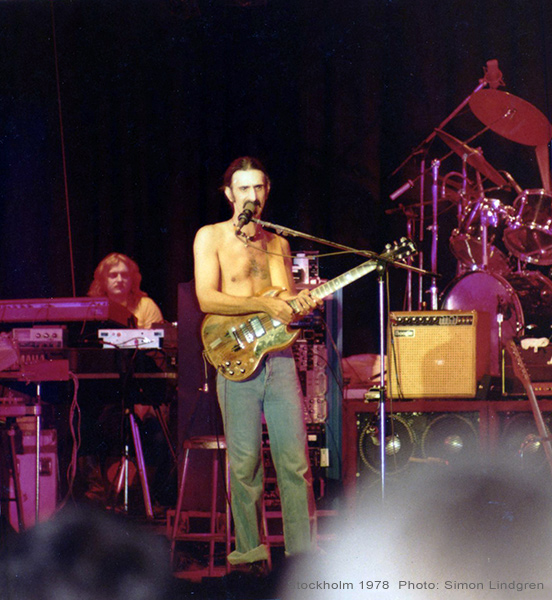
(156, 97)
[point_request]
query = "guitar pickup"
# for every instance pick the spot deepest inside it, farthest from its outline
(257, 327)
(251, 329)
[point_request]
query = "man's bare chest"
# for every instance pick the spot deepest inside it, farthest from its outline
(246, 266)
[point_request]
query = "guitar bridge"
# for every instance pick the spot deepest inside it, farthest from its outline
(236, 336)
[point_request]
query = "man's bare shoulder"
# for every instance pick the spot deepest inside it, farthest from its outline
(278, 242)
(211, 233)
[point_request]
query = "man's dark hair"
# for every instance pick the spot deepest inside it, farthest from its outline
(244, 163)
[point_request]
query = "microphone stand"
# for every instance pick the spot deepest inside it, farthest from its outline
(383, 264)
(382, 270)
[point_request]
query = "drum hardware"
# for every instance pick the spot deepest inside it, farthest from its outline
(475, 250)
(489, 79)
(461, 193)
(413, 211)
(543, 160)
(471, 243)
(511, 117)
(474, 157)
(516, 120)
(529, 232)
(515, 185)
(485, 218)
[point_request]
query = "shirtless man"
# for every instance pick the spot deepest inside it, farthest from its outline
(231, 268)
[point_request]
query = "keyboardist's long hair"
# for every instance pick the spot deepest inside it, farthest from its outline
(99, 285)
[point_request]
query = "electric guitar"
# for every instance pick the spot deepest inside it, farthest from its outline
(236, 344)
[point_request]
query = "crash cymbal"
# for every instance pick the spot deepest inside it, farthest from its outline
(511, 117)
(473, 157)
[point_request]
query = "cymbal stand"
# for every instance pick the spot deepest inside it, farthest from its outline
(434, 234)
(409, 233)
(484, 229)
(421, 235)
(482, 83)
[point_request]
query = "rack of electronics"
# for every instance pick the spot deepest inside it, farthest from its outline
(317, 354)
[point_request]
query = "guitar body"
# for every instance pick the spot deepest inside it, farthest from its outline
(236, 344)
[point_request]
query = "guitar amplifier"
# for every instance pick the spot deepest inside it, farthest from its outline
(436, 354)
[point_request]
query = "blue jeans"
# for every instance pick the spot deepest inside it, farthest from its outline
(275, 391)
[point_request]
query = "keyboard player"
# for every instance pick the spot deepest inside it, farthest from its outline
(118, 277)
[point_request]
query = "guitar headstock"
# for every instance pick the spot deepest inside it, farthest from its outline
(400, 249)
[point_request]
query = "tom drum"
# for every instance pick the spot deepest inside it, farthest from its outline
(529, 233)
(466, 242)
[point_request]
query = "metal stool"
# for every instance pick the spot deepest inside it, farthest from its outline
(215, 445)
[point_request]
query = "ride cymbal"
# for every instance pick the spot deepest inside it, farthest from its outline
(511, 117)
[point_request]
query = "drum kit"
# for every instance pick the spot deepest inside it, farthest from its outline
(503, 233)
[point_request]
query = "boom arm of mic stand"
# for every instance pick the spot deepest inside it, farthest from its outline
(367, 253)
(286, 231)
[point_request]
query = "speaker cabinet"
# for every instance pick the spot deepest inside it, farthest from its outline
(436, 354)
(436, 439)
(515, 437)
(48, 478)
(422, 437)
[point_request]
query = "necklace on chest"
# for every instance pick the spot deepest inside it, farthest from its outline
(248, 239)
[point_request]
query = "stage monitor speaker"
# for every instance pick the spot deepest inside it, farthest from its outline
(436, 354)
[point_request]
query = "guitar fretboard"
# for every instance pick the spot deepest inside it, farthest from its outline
(342, 280)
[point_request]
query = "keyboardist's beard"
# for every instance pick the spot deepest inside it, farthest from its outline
(119, 297)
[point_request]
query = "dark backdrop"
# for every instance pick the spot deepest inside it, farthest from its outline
(156, 97)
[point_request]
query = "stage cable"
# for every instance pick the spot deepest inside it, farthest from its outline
(63, 154)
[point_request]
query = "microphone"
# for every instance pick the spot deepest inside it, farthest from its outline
(493, 75)
(404, 188)
(246, 214)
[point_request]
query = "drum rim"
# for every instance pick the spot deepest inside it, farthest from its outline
(496, 255)
(523, 256)
(520, 317)
(534, 191)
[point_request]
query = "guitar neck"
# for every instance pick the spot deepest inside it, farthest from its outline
(522, 373)
(342, 280)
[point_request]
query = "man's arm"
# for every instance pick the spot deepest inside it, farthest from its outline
(282, 275)
(148, 313)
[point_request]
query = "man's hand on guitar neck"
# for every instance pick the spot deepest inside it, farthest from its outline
(285, 307)
(302, 303)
